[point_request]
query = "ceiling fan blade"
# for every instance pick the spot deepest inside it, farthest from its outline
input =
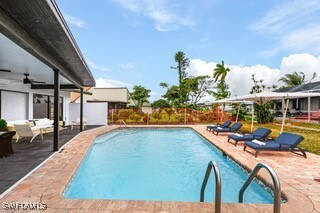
(5, 70)
(37, 82)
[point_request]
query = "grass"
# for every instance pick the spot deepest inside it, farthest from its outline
(311, 142)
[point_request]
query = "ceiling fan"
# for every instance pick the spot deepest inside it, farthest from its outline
(27, 80)
(5, 70)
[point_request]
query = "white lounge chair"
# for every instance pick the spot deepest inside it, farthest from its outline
(77, 123)
(26, 131)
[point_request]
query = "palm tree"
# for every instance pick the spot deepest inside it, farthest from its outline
(220, 72)
(295, 78)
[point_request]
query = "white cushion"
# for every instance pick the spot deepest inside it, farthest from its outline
(12, 123)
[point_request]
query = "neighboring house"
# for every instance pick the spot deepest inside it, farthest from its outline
(116, 97)
(301, 104)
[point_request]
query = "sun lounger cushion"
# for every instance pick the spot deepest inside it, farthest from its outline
(225, 125)
(285, 141)
(259, 133)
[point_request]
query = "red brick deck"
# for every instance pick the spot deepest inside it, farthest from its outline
(46, 185)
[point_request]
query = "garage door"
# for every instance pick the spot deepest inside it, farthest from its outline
(14, 106)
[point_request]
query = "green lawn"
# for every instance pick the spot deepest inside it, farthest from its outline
(311, 142)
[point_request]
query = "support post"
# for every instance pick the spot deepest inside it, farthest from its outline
(185, 116)
(252, 119)
(284, 115)
(309, 108)
(56, 110)
(81, 109)
(238, 112)
(112, 116)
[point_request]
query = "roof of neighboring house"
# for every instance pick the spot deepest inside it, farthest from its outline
(39, 28)
(314, 86)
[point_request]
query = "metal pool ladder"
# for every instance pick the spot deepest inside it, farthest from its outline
(217, 205)
(276, 183)
(253, 174)
(123, 122)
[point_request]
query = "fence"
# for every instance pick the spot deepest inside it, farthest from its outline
(167, 116)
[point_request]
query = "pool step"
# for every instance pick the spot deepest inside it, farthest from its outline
(106, 137)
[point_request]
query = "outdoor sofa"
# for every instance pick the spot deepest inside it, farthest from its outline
(260, 134)
(284, 142)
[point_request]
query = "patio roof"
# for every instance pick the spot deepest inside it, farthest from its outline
(39, 28)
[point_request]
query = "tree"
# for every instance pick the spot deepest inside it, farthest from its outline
(197, 88)
(140, 95)
(220, 72)
(259, 86)
(222, 91)
(182, 65)
(161, 103)
(295, 78)
(262, 110)
(172, 95)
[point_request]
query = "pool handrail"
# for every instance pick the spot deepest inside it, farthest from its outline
(276, 183)
(215, 167)
(122, 121)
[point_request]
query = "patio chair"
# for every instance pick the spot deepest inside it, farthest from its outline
(224, 125)
(259, 134)
(5, 144)
(233, 128)
(77, 123)
(284, 142)
(26, 131)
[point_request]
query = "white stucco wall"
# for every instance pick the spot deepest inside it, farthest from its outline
(96, 113)
(25, 88)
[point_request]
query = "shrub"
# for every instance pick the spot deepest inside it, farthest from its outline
(190, 119)
(169, 111)
(3, 124)
(135, 117)
(125, 113)
(157, 115)
(203, 117)
(263, 113)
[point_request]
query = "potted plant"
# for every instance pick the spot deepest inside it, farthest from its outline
(61, 121)
(3, 125)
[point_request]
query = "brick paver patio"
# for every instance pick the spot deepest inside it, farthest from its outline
(46, 185)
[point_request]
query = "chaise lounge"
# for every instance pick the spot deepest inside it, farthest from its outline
(233, 128)
(284, 142)
(224, 125)
(259, 134)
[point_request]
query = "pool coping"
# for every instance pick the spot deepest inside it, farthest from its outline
(49, 181)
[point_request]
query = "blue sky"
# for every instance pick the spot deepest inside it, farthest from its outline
(129, 42)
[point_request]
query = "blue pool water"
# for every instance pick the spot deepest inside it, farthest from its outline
(157, 164)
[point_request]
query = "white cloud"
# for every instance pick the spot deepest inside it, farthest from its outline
(103, 82)
(126, 65)
(74, 20)
(239, 78)
(303, 39)
(287, 15)
(294, 25)
(166, 16)
(96, 66)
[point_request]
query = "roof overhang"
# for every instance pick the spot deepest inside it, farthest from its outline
(39, 27)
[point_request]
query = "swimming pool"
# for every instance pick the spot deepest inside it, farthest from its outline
(157, 164)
